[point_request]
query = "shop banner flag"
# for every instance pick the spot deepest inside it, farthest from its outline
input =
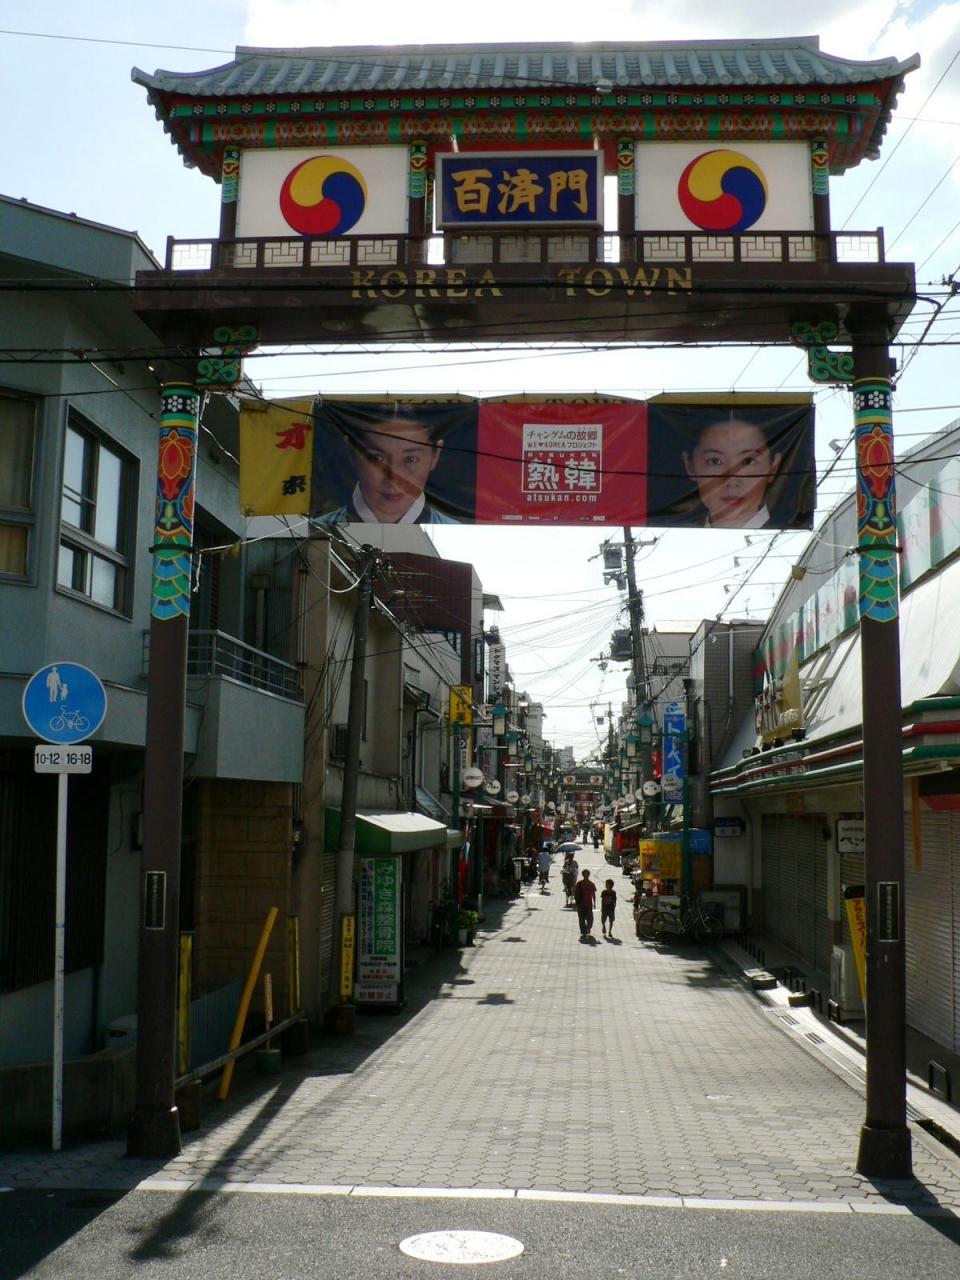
(276, 457)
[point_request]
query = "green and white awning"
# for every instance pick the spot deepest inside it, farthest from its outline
(379, 833)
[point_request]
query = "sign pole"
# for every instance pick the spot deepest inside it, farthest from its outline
(59, 928)
(63, 703)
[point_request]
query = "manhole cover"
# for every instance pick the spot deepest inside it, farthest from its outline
(461, 1246)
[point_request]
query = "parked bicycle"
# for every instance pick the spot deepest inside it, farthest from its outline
(685, 921)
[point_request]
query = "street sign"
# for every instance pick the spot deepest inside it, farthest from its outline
(62, 759)
(472, 777)
(64, 703)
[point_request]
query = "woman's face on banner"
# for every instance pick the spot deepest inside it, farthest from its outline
(393, 464)
(733, 467)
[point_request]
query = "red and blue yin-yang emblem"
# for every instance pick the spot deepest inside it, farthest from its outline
(722, 191)
(323, 196)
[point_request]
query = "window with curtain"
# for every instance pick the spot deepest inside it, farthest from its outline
(96, 518)
(17, 445)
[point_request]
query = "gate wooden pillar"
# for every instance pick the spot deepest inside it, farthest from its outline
(884, 1150)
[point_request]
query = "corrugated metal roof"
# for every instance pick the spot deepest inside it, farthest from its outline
(414, 68)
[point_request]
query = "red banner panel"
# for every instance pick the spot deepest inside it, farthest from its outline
(543, 463)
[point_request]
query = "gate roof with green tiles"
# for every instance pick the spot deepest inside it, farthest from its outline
(264, 87)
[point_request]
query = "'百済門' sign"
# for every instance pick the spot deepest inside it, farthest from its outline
(519, 188)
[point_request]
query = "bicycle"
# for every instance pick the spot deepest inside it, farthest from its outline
(69, 720)
(689, 920)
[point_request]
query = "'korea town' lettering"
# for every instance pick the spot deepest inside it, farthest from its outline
(452, 282)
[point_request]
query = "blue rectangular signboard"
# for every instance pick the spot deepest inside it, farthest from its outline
(674, 763)
(525, 188)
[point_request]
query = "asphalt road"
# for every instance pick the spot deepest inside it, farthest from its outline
(76, 1236)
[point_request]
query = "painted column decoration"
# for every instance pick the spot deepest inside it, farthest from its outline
(626, 197)
(876, 499)
(176, 475)
(229, 192)
(823, 365)
(417, 189)
(820, 184)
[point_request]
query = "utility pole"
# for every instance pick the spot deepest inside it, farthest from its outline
(641, 686)
(635, 607)
(343, 1009)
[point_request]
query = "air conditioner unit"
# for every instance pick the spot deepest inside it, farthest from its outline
(844, 987)
(338, 742)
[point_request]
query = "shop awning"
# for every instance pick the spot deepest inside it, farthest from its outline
(379, 833)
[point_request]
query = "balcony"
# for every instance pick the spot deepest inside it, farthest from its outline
(245, 712)
(567, 285)
(213, 653)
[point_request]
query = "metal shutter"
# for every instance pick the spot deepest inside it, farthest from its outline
(823, 946)
(780, 878)
(806, 850)
(930, 930)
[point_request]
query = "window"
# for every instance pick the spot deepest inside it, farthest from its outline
(17, 432)
(95, 519)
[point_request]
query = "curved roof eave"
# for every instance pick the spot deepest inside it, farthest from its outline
(260, 71)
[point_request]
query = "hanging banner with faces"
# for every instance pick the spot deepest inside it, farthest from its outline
(713, 461)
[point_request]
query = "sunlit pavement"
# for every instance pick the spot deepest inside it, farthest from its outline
(545, 1067)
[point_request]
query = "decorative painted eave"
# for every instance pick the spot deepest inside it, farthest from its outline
(400, 79)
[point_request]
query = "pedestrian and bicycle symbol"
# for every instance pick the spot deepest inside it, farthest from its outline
(64, 703)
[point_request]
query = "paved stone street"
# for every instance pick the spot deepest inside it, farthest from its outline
(542, 1064)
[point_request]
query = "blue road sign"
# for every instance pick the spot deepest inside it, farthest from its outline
(64, 703)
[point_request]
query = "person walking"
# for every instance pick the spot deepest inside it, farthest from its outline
(585, 895)
(569, 876)
(544, 859)
(608, 908)
(596, 838)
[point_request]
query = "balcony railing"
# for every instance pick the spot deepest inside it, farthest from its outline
(213, 653)
(311, 256)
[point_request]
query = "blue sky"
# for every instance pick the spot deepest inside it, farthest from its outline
(79, 136)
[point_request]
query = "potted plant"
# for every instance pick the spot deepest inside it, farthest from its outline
(467, 922)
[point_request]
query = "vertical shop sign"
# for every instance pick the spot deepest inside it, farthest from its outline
(674, 763)
(379, 958)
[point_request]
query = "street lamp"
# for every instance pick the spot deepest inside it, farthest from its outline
(499, 721)
(631, 742)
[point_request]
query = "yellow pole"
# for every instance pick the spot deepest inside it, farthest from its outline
(293, 965)
(245, 998)
(183, 1003)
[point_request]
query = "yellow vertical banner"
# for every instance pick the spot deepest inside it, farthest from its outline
(461, 704)
(853, 896)
(276, 457)
(347, 948)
